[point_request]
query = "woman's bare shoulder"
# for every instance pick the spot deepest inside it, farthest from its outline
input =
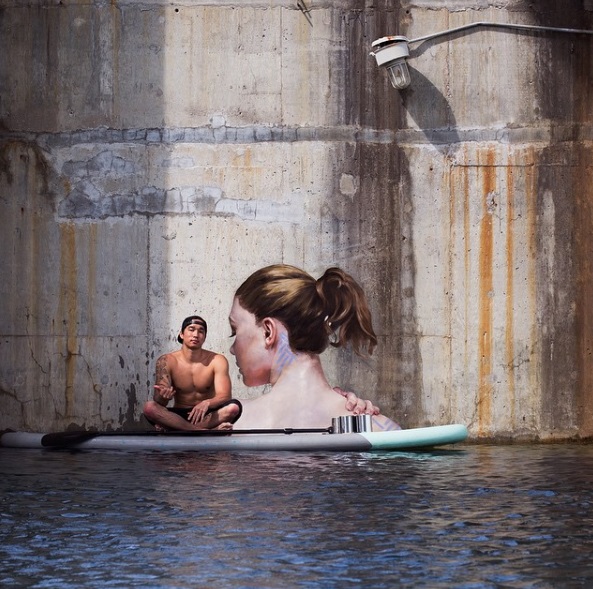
(255, 413)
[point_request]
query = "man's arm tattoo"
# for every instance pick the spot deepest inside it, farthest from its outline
(162, 375)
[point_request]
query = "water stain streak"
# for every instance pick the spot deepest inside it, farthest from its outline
(485, 296)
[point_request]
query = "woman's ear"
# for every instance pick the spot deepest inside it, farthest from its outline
(270, 331)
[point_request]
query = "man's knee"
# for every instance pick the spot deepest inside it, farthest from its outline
(230, 410)
(149, 409)
(234, 411)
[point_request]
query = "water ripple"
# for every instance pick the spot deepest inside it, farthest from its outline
(485, 516)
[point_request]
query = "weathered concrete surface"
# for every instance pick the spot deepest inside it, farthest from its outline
(152, 155)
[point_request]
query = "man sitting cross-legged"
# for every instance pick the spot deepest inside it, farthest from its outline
(198, 382)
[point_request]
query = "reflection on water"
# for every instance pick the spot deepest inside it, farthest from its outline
(478, 516)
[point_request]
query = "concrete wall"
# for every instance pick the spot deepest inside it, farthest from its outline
(153, 154)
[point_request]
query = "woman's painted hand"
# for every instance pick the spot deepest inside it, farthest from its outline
(356, 405)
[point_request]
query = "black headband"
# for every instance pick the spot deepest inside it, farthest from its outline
(192, 320)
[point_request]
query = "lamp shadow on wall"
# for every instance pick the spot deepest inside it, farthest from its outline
(430, 110)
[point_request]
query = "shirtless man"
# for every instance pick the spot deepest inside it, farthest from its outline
(197, 380)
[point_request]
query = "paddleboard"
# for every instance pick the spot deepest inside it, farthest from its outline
(414, 438)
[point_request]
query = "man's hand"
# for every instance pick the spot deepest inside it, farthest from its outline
(199, 411)
(356, 405)
(165, 392)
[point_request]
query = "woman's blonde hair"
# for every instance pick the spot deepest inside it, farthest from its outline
(331, 310)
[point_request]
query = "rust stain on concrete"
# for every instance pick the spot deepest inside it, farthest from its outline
(485, 294)
(510, 292)
(467, 261)
(69, 307)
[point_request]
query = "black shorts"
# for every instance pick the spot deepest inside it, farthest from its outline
(185, 411)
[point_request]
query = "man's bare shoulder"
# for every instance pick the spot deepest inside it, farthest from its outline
(174, 355)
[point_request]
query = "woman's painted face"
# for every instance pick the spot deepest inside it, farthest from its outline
(251, 354)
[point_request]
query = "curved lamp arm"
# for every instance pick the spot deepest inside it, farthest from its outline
(500, 25)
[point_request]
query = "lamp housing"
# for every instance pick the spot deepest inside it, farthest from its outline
(392, 53)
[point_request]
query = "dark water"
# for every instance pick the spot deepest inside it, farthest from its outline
(479, 516)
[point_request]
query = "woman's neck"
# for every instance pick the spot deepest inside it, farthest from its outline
(299, 370)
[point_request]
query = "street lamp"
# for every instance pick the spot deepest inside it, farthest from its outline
(392, 52)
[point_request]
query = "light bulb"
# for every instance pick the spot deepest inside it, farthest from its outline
(399, 74)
